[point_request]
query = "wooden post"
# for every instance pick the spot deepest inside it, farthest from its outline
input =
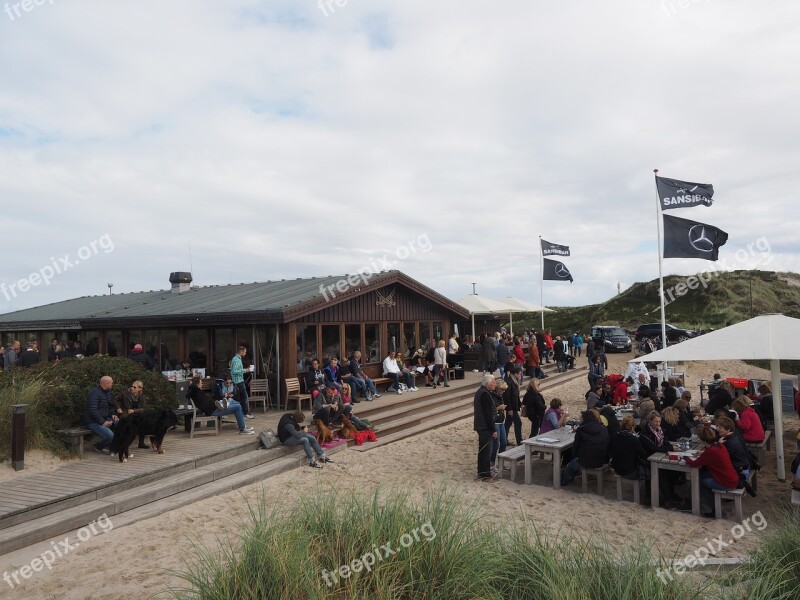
(18, 437)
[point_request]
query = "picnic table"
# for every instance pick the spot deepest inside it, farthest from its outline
(660, 460)
(553, 441)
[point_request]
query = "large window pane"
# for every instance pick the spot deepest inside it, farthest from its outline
(352, 338)
(168, 350)
(221, 349)
(196, 340)
(425, 335)
(372, 343)
(265, 351)
(91, 343)
(409, 336)
(331, 341)
(306, 346)
(438, 333)
(114, 343)
(393, 337)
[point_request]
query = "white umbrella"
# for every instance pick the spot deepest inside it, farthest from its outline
(481, 305)
(766, 337)
(524, 307)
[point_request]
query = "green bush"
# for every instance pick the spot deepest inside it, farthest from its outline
(57, 394)
(283, 551)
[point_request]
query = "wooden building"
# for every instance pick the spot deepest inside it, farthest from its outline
(282, 323)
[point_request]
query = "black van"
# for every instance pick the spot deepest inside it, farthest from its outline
(612, 338)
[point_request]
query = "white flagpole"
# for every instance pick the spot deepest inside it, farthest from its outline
(661, 279)
(541, 280)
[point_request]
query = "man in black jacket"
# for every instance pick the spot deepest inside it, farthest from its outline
(590, 448)
(99, 413)
(140, 356)
(291, 433)
(30, 357)
(484, 412)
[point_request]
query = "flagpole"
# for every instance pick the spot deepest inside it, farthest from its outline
(660, 275)
(541, 280)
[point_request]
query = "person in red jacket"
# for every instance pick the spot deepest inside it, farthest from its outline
(719, 473)
(621, 390)
(749, 423)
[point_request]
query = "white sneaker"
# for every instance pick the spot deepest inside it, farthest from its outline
(399, 392)
(247, 428)
(247, 432)
(415, 389)
(249, 416)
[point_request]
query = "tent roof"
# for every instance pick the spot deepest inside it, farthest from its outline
(764, 337)
(525, 306)
(481, 305)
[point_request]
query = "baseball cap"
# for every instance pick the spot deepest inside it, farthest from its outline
(137, 347)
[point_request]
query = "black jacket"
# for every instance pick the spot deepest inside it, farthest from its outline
(627, 453)
(737, 450)
(722, 399)
(534, 405)
(648, 439)
(99, 406)
(485, 410)
(28, 358)
(670, 396)
(613, 424)
(287, 428)
(144, 359)
(314, 379)
(202, 400)
(591, 445)
(511, 395)
(502, 353)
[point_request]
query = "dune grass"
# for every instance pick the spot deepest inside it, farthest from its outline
(39, 424)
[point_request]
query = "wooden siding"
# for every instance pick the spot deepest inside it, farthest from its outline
(408, 306)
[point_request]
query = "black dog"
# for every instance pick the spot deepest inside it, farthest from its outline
(154, 423)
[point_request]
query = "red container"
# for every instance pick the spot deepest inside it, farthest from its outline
(738, 382)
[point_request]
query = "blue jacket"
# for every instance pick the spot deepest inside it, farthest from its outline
(99, 406)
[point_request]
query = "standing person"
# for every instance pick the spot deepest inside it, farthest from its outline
(99, 413)
(519, 356)
(30, 357)
(561, 351)
(140, 356)
(440, 365)
(452, 349)
(53, 352)
(590, 350)
(502, 355)
(489, 355)
(578, 344)
(596, 371)
(483, 424)
(501, 441)
(237, 376)
(548, 345)
(534, 404)
(513, 404)
(534, 363)
(11, 356)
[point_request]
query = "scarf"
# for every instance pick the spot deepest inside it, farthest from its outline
(659, 435)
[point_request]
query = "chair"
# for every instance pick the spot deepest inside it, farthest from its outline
(293, 393)
(259, 393)
(202, 419)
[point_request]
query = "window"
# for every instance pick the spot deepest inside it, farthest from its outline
(221, 349)
(331, 341)
(393, 337)
(409, 336)
(438, 332)
(167, 356)
(265, 351)
(425, 335)
(372, 343)
(91, 343)
(306, 346)
(114, 343)
(352, 338)
(196, 341)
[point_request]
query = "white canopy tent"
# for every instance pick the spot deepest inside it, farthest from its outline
(766, 337)
(523, 307)
(481, 305)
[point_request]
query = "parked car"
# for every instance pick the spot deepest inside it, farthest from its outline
(612, 338)
(674, 334)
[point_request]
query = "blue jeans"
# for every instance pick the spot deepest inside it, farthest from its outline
(571, 470)
(500, 443)
(105, 433)
(370, 385)
(308, 441)
(502, 369)
(708, 483)
(356, 386)
(234, 408)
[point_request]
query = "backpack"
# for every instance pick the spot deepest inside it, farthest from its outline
(268, 439)
(217, 389)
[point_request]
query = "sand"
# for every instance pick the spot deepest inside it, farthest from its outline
(131, 562)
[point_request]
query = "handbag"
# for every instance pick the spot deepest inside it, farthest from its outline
(524, 411)
(268, 439)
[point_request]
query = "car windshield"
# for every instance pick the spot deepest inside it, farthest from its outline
(615, 331)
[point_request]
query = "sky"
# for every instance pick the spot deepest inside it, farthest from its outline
(260, 140)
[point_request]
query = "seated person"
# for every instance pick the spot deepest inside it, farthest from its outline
(407, 373)
(628, 457)
(354, 384)
(418, 362)
(346, 401)
(227, 405)
(646, 404)
(621, 390)
(391, 370)
(131, 401)
(590, 449)
(315, 378)
(749, 423)
(669, 395)
(732, 440)
(331, 373)
(593, 397)
(291, 433)
(554, 417)
(357, 372)
(670, 423)
(99, 413)
(606, 393)
(330, 408)
(722, 398)
(719, 473)
(653, 440)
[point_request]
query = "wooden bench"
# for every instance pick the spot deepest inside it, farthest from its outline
(599, 472)
(512, 457)
(383, 381)
(74, 435)
(757, 448)
(293, 393)
(735, 495)
(636, 488)
(193, 419)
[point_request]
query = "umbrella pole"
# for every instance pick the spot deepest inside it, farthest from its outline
(775, 371)
(511, 322)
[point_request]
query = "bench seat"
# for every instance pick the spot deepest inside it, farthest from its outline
(599, 472)
(512, 457)
(75, 435)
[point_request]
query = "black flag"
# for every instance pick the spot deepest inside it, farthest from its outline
(683, 194)
(548, 249)
(556, 271)
(689, 239)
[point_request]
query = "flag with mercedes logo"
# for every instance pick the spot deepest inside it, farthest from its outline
(549, 248)
(556, 271)
(689, 239)
(683, 194)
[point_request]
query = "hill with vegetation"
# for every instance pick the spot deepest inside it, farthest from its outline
(718, 300)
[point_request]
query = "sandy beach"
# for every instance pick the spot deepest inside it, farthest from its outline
(132, 561)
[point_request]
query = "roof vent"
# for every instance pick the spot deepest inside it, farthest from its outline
(181, 281)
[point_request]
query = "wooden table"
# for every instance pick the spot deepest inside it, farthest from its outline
(565, 438)
(660, 460)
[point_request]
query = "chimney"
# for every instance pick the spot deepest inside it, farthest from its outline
(181, 281)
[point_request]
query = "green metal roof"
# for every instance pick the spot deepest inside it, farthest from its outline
(272, 301)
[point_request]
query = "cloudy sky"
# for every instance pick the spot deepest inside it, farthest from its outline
(282, 139)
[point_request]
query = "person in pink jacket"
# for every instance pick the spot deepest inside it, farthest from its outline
(749, 423)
